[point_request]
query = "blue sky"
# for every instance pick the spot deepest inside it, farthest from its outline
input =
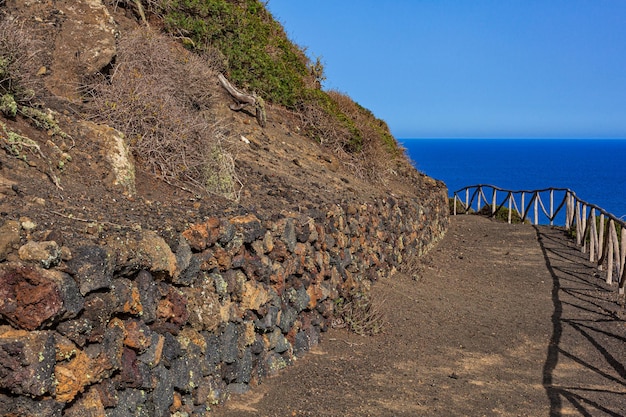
(473, 68)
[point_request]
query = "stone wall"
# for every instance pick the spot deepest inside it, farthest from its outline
(149, 326)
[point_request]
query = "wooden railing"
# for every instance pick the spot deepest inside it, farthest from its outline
(598, 232)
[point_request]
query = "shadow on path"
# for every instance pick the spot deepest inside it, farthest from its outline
(588, 334)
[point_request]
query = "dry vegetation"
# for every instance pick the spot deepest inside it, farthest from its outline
(158, 94)
(18, 82)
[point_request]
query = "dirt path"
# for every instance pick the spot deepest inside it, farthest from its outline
(503, 320)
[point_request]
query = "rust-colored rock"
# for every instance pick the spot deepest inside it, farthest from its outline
(31, 297)
(254, 295)
(88, 405)
(137, 335)
(203, 235)
(126, 296)
(173, 308)
(89, 366)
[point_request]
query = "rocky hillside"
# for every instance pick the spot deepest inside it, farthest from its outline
(138, 211)
(81, 171)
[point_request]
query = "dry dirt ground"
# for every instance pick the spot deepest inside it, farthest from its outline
(502, 320)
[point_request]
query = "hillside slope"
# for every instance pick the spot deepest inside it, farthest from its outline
(278, 166)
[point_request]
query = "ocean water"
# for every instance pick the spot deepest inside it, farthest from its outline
(594, 169)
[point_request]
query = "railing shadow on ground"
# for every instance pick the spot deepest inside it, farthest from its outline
(583, 324)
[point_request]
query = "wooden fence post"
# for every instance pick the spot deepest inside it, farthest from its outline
(593, 236)
(510, 206)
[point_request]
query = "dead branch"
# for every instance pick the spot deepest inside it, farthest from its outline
(244, 100)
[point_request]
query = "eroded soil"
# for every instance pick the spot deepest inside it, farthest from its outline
(502, 320)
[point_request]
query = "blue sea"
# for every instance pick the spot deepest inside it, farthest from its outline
(595, 169)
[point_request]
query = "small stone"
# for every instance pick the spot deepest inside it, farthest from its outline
(163, 393)
(148, 294)
(89, 366)
(203, 235)
(278, 342)
(210, 391)
(229, 344)
(204, 306)
(46, 254)
(289, 235)
(76, 330)
(138, 335)
(42, 71)
(173, 308)
(287, 318)
(154, 352)
(302, 343)
(131, 402)
(183, 260)
(126, 297)
(238, 388)
(299, 298)
(27, 224)
(130, 375)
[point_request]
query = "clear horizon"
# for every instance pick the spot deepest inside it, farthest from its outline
(481, 69)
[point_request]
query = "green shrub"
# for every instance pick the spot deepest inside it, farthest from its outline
(460, 209)
(502, 214)
(259, 56)
(8, 106)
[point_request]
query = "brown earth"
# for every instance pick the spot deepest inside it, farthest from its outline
(502, 320)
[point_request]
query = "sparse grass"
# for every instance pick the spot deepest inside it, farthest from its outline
(157, 95)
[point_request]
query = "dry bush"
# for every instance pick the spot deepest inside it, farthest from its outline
(361, 314)
(379, 151)
(158, 95)
(362, 142)
(17, 61)
(323, 126)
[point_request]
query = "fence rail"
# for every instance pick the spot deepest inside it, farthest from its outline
(598, 232)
